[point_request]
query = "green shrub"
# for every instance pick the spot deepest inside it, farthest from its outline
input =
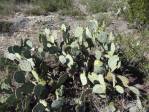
(138, 10)
(135, 47)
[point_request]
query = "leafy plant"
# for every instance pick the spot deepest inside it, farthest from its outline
(87, 61)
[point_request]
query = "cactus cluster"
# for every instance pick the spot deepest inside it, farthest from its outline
(87, 59)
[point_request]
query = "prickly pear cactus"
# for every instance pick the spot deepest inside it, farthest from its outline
(88, 59)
